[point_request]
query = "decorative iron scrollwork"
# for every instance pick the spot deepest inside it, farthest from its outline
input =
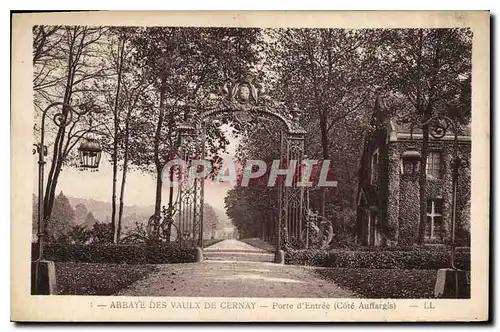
(241, 91)
(317, 232)
(62, 120)
(240, 95)
(63, 117)
(38, 149)
(437, 128)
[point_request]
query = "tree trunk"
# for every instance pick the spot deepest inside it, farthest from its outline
(122, 195)
(158, 163)
(158, 191)
(170, 200)
(124, 175)
(55, 170)
(422, 180)
(52, 188)
(423, 185)
(56, 165)
(113, 198)
(326, 155)
(76, 43)
(115, 141)
(427, 114)
(263, 236)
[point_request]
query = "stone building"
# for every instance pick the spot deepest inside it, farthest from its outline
(388, 197)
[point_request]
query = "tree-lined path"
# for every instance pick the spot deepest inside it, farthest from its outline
(234, 278)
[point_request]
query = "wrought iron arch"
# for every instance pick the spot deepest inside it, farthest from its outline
(292, 128)
(244, 97)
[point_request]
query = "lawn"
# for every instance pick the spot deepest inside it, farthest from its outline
(97, 278)
(384, 283)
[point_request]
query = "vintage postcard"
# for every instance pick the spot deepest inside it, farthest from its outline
(250, 166)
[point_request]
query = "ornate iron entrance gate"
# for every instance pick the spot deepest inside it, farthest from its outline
(190, 193)
(243, 98)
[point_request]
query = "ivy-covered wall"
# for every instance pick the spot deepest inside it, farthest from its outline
(395, 197)
(408, 210)
(393, 194)
(372, 197)
(441, 188)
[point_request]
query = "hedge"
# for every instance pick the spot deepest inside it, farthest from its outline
(425, 247)
(429, 259)
(117, 253)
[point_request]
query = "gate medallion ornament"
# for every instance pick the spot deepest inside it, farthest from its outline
(240, 94)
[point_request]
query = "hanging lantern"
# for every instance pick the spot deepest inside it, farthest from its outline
(411, 162)
(90, 153)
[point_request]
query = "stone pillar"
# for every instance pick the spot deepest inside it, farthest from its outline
(43, 278)
(452, 283)
(279, 257)
(198, 255)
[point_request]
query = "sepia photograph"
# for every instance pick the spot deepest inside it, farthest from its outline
(174, 163)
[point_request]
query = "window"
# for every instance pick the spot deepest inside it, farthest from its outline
(374, 168)
(410, 161)
(434, 227)
(434, 164)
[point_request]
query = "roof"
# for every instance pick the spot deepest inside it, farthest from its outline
(399, 130)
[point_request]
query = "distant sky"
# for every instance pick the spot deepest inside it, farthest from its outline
(140, 188)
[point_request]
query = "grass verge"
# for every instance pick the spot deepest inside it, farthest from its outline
(384, 283)
(97, 278)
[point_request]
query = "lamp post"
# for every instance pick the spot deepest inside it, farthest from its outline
(449, 281)
(43, 280)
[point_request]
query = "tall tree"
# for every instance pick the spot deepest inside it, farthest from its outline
(46, 40)
(62, 219)
(123, 91)
(80, 213)
(329, 73)
(133, 96)
(116, 124)
(186, 65)
(70, 72)
(90, 219)
(210, 221)
(431, 67)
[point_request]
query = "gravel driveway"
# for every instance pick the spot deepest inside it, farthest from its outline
(234, 279)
